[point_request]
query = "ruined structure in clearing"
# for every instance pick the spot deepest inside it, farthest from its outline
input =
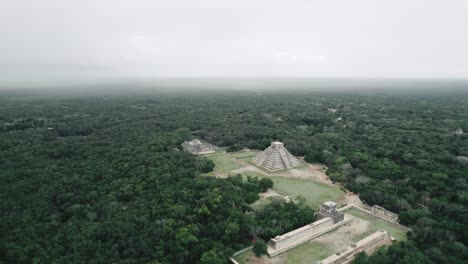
(276, 157)
(382, 212)
(197, 147)
(369, 245)
(329, 214)
(331, 219)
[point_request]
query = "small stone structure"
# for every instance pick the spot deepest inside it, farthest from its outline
(384, 213)
(198, 147)
(328, 209)
(280, 244)
(369, 245)
(276, 157)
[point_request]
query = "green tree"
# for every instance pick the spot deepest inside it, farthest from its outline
(265, 183)
(213, 257)
(259, 247)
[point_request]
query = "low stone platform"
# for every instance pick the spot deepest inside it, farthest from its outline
(282, 243)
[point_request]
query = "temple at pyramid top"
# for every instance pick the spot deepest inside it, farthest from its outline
(276, 157)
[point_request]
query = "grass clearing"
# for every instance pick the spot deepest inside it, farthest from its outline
(226, 162)
(314, 193)
(377, 224)
(309, 252)
(243, 258)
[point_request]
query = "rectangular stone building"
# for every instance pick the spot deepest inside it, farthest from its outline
(328, 209)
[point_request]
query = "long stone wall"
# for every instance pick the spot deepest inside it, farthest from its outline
(282, 243)
(384, 213)
(352, 206)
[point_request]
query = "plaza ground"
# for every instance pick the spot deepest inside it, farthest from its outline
(330, 243)
(310, 184)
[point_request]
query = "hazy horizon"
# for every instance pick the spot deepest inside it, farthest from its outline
(53, 43)
(252, 85)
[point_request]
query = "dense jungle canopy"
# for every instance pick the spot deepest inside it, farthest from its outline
(102, 179)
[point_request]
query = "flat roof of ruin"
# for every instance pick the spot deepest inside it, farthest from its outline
(299, 230)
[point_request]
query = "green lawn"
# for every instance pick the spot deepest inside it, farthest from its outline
(315, 193)
(309, 252)
(377, 224)
(245, 154)
(226, 162)
(242, 258)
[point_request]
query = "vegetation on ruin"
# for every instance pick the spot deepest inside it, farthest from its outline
(102, 179)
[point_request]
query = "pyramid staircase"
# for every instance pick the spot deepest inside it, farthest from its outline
(276, 157)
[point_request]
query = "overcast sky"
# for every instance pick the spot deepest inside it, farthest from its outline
(58, 40)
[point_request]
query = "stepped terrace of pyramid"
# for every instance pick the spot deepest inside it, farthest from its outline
(276, 157)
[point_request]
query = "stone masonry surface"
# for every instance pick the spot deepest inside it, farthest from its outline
(276, 157)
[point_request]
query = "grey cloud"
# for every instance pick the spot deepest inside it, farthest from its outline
(55, 40)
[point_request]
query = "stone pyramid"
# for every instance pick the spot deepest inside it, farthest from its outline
(276, 157)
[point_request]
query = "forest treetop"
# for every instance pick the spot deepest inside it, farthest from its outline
(102, 178)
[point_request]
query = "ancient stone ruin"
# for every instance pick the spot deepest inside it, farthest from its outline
(198, 147)
(330, 218)
(333, 220)
(328, 209)
(383, 213)
(276, 157)
(369, 245)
